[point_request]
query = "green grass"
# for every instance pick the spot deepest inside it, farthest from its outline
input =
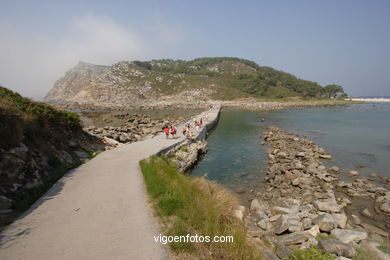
(310, 254)
(184, 148)
(385, 248)
(364, 254)
(188, 205)
(323, 237)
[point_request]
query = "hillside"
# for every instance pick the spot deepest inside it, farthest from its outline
(38, 145)
(140, 83)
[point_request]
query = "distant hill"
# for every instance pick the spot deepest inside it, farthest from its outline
(147, 82)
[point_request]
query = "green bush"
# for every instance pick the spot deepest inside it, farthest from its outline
(310, 254)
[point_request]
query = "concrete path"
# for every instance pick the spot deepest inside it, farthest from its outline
(97, 211)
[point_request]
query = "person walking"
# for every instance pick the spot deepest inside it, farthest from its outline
(197, 126)
(166, 131)
(173, 131)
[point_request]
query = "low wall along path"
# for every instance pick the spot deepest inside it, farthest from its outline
(98, 211)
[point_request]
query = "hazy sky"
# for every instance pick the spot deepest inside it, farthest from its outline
(343, 42)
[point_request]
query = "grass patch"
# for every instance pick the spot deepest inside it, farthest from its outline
(364, 254)
(320, 237)
(192, 206)
(311, 253)
(184, 148)
(385, 248)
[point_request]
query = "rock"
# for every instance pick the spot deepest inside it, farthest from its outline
(283, 251)
(374, 230)
(281, 155)
(294, 238)
(328, 206)
(340, 219)
(301, 181)
(238, 214)
(263, 224)
(325, 156)
(5, 203)
(300, 154)
(314, 231)
(123, 138)
(336, 247)
(367, 213)
(385, 207)
(255, 205)
(353, 173)
(325, 222)
(294, 225)
(281, 225)
(355, 220)
(334, 169)
(274, 218)
(280, 211)
(306, 223)
(347, 235)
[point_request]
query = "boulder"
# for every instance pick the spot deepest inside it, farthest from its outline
(328, 206)
(353, 173)
(280, 211)
(367, 213)
(238, 214)
(325, 222)
(348, 236)
(336, 247)
(294, 225)
(325, 156)
(334, 169)
(355, 220)
(281, 225)
(385, 207)
(294, 238)
(306, 223)
(314, 231)
(340, 219)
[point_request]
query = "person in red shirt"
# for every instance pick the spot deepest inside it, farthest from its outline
(166, 131)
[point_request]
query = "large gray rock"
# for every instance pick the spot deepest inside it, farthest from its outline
(328, 206)
(294, 238)
(340, 219)
(336, 247)
(325, 222)
(281, 225)
(347, 235)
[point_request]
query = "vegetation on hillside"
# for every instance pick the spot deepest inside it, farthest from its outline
(22, 118)
(245, 77)
(192, 206)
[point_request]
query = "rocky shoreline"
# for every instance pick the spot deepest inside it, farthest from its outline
(250, 104)
(135, 127)
(303, 201)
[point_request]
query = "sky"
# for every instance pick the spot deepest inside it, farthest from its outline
(345, 42)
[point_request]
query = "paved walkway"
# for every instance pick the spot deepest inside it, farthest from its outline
(97, 211)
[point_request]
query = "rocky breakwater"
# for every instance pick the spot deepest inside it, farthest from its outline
(302, 201)
(186, 155)
(136, 127)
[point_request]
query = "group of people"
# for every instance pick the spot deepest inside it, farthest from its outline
(187, 133)
(170, 130)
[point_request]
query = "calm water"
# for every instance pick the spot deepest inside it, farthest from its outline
(357, 136)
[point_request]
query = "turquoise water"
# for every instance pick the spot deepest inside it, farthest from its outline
(357, 136)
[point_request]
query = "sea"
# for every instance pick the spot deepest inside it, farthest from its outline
(356, 135)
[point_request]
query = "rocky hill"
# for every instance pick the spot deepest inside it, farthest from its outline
(156, 82)
(38, 145)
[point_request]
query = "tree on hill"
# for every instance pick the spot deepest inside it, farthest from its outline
(332, 90)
